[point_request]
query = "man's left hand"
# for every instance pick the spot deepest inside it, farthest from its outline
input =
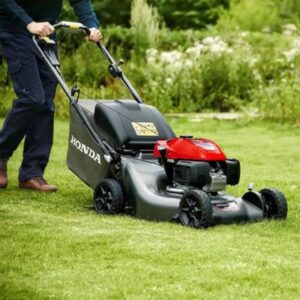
(95, 35)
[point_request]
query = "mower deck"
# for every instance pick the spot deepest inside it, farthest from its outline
(146, 182)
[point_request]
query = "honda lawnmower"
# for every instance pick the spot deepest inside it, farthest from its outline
(127, 153)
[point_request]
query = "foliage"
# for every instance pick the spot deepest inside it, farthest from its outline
(5, 88)
(209, 75)
(280, 101)
(109, 12)
(221, 68)
(190, 13)
(176, 13)
(289, 10)
(246, 15)
(258, 15)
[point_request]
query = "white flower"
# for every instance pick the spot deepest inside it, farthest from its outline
(177, 65)
(229, 50)
(256, 75)
(152, 52)
(151, 55)
(296, 43)
(188, 63)
(218, 48)
(195, 51)
(291, 54)
(266, 30)
(290, 27)
(244, 33)
(214, 45)
(211, 40)
(170, 57)
(287, 33)
(252, 61)
(151, 60)
(169, 80)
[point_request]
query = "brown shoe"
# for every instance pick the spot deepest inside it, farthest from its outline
(3, 173)
(37, 184)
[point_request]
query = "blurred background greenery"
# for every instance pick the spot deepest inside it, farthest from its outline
(189, 56)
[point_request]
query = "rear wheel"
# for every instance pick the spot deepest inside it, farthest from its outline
(275, 204)
(195, 209)
(108, 197)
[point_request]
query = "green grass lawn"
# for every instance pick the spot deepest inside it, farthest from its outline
(53, 246)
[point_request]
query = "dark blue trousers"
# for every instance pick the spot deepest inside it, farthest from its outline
(32, 113)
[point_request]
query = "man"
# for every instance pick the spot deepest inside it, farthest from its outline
(31, 115)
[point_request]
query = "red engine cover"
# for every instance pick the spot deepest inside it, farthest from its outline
(189, 149)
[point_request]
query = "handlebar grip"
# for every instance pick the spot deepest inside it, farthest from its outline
(72, 25)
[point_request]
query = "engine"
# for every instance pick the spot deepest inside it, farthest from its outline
(209, 176)
(198, 163)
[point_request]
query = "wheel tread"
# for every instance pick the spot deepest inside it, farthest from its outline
(117, 192)
(280, 201)
(207, 210)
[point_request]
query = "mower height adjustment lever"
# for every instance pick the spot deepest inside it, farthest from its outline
(115, 70)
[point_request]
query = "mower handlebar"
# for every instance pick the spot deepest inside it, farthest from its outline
(114, 68)
(69, 25)
(80, 26)
(72, 25)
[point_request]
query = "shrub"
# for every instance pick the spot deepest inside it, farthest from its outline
(177, 13)
(209, 75)
(145, 25)
(252, 15)
(279, 101)
(188, 71)
(188, 14)
(289, 11)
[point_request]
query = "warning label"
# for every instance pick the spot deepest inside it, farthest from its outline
(144, 128)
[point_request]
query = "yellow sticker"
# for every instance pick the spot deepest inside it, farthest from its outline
(144, 128)
(74, 25)
(47, 40)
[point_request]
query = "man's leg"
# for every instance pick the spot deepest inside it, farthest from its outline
(39, 137)
(23, 68)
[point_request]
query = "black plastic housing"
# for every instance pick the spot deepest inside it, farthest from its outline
(118, 118)
(232, 171)
(195, 173)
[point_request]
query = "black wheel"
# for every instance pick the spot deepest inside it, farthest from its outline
(275, 204)
(108, 197)
(195, 209)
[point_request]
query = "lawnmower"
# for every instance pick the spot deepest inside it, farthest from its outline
(128, 154)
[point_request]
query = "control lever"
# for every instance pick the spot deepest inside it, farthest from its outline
(115, 70)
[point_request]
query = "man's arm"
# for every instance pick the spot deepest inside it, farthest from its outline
(17, 10)
(41, 28)
(85, 13)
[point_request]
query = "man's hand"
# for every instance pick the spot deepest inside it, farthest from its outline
(40, 29)
(95, 35)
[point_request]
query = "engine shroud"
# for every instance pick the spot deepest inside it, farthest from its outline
(189, 149)
(198, 163)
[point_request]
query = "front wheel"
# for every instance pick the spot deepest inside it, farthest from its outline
(275, 204)
(195, 209)
(108, 197)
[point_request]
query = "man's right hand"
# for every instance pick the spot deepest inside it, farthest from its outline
(40, 28)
